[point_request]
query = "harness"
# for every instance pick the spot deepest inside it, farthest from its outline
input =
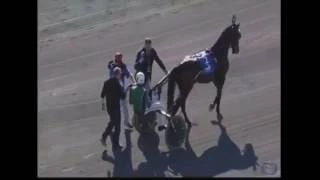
(207, 64)
(206, 61)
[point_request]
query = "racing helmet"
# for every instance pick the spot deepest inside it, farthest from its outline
(140, 78)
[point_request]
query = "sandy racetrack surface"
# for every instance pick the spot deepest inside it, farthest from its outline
(77, 38)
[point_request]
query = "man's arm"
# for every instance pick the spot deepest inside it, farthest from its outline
(103, 94)
(104, 90)
(132, 79)
(111, 65)
(128, 74)
(137, 61)
(159, 62)
(121, 91)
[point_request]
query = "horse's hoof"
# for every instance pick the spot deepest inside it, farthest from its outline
(194, 124)
(214, 122)
(211, 107)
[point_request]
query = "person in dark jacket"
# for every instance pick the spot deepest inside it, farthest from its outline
(144, 61)
(126, 74)
(113, 92)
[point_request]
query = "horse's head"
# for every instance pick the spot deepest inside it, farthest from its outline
(229, 38)
(235, 35)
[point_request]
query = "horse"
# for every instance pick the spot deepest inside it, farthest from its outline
(189, 72)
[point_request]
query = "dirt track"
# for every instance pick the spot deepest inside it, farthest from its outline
(72, 68)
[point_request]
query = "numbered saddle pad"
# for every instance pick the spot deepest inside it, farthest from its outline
(206, 61)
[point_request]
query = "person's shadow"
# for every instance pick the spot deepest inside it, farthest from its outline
(155, 165)
(122, 161)
(223, 157)
(182, 160)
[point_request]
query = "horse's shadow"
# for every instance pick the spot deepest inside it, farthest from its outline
(122, 161)
(156, 162)
(218, 159)
(223, 157)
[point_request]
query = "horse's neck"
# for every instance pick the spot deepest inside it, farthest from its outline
(220, 49)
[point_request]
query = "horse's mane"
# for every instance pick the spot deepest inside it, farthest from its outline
(218, 45)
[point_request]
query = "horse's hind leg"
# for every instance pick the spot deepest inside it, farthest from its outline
(180, 102)
(212, 106)
(176, 105)
(183, 106)
(183, 109)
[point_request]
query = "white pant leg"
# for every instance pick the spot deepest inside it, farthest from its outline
(125, 112)
(124, 105)
(160, 119)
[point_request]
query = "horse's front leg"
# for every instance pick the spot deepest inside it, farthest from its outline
(212, 106)
(219, 84)
(219, 94)
(219, 80)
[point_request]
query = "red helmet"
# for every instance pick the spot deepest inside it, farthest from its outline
(118, 57)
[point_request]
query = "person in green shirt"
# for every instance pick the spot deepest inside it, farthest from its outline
(139, 98)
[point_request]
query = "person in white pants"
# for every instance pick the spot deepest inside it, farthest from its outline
(125, 75)
(124, 107)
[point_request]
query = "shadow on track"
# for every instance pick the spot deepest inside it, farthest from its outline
(122, 161)
(218, 159)
(156, 162)
(224, 156)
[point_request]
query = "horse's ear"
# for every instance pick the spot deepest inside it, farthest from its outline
(234, 18)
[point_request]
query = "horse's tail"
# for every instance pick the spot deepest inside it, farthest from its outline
(171, 89)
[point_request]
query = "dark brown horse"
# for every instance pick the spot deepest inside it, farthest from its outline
(187, 73)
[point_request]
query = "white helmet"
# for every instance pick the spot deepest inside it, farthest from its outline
(140, 78)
